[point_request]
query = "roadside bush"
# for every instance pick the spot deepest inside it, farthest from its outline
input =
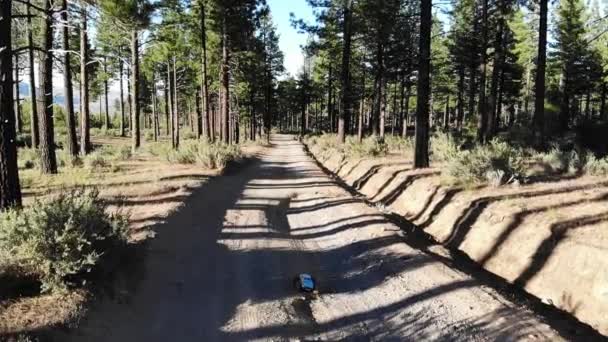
(122, 152)
(496, 163)
(211, 156)
(596, 166)
(28, 158)
(67, 160)
(62, 238)
(96, 160)
(368, 147)
(399, 144)
(444, 147)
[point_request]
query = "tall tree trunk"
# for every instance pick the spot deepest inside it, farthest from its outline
(129, 101)
(406, 112)
(30, 51)
(154, 109)
(48, 158)
(175, 113)
(446, 114)
(588, 104)
(122, 101)
(10, 191)
(330, 112)
(496, 71)
(421, 155)
(375, 119)
(346, 107)
(18, 123)
(107, 124)
(72, 145)
(541, 62)
(564, 115)
(460, 104)
(168, 108)
(205, 83)
(401, 102)
(225, 84)
(603, 102)
(253, 118)
(85, 138)
(135, 134)
(483, 107)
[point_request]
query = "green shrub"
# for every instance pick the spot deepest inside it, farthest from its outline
(444, 147)
(149, 135)
(67, 160)
(28, 158)
(368, 147)
(596, 166)
(188, 135)
(211, 156)
(122, 152)
(96, 160)
(62, 238)
(496, 163)
(399, 144)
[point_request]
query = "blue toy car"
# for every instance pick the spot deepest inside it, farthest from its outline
(304, 282)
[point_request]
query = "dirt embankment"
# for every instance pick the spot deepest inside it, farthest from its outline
(549, 238)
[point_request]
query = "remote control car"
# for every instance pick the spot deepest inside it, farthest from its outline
(304, 282)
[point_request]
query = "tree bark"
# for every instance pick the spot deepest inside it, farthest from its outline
(10, 191)
(135, 133)
(541, 62)
(122, 101)
(175, 113)
(107, 124)
(18, 123)
(496, 71)
(346, 107)
(154, 111)
(421, 155)
(72, 145)
(460, 104)
(603, 102)
(225, 84)
(406, 112)
(30, 51)
(45, 98)
(330, 112)
(85, 138)
(205, 83)
(483, 108)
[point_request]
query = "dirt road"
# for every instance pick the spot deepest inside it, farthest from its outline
(221, 269)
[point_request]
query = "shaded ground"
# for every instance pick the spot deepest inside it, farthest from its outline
(145, 186)
(221, 266)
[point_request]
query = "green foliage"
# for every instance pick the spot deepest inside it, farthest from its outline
(369, 147)
(62, 238)
(444, 147)
(28, 158)
(96, 160)
(211, 156)
(496, 163)
(399, 144)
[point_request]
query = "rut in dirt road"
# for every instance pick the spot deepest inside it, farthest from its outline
(220, 269)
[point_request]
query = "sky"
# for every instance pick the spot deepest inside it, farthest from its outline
(290, 40)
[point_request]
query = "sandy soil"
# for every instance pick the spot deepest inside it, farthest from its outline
(221, 268)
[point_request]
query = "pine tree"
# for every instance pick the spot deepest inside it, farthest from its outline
(10, 191)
